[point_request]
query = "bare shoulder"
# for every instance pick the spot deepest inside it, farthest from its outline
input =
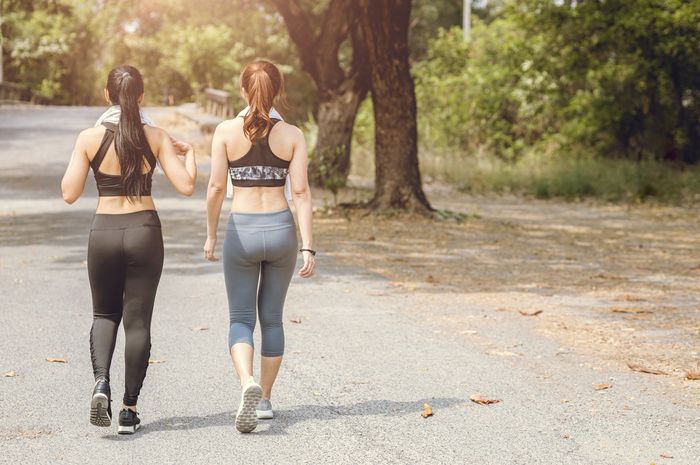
(227, 126)
(90, 139)
(91, 134)
(154, 132)
(290, 132)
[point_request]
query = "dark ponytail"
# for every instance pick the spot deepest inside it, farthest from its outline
(262, 81)
(125, 86)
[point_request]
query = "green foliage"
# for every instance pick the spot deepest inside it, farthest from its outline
(619, 78)
(47, 48)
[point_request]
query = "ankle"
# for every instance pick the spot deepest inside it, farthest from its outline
(129, 407)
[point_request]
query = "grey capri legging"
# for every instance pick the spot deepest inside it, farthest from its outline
(260, 253)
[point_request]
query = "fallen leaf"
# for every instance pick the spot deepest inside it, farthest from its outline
(371, 238)
(666, 456)
(529, 313)
(643, 369)
(631, 298)
(296, 320)
(427, 411)
(153, 361)
(505, 353)
(693, 373)
(601, 386)
(566, 436)
(200, 328)
(430, 280)
(10, 374)
(628, 310)
(481, 400)
(57, 360)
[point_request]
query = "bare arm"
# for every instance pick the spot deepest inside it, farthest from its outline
(73, 181)
(301, 195)
(182, 175)
(216, 190)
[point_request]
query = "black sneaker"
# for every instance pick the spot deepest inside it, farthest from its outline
(101, 404)
(128, 421)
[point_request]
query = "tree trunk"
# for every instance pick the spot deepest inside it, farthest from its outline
(340, 90)
(384, 26)
(330, 162)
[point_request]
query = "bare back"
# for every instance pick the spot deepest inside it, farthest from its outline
(282, 139)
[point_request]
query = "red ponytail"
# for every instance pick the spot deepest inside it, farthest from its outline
(262, 81)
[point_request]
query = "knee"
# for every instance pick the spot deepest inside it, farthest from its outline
(270, 319)
(240, 333)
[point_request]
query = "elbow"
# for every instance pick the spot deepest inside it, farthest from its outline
(69, 197)
(301, 194)
(216, 189)
(189, 190)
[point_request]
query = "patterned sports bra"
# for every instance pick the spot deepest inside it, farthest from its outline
(110, 185)
(259, 167)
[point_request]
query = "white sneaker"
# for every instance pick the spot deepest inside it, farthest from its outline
(264, 410)
(246, 419)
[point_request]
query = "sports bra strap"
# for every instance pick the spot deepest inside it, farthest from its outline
(107, 139)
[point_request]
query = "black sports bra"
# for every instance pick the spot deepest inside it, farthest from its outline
(259, 167)
(110, 185)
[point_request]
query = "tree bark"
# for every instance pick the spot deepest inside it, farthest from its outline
(330, 163)
(384, 25)
(340, 91)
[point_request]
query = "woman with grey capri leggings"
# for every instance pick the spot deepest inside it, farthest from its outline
(258, 151)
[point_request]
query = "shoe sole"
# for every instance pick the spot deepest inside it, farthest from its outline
(98, 410)
(128, 429)
(264, 414)
(246, 419)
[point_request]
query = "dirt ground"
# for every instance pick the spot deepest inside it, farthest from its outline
(615, 283)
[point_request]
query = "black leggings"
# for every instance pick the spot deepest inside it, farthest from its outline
(125, 260)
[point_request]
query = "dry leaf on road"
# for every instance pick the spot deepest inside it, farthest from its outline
(430, 280)
(666, 456)
(601, 386)
(153, 361)
(200, 328)
(629, 310)
(529, 313)
(693, 373)
(481, 400)
(427, 411)
(10, 374)
(643, 369)
(631, 298)
(296, 320)
(57, 360)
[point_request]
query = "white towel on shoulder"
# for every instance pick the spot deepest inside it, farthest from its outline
(287, 184)
(112, 114)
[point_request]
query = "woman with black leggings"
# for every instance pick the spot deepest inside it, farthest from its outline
(258, 151)
(125, 248)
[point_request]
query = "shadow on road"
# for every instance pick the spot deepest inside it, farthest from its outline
(284, 419)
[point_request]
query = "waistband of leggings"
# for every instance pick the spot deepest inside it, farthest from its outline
(125, 220)
(262, 220)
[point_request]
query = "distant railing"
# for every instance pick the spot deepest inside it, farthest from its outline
(12, 92)
(218, 103)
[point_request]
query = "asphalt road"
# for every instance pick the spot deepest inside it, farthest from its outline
(358, 367)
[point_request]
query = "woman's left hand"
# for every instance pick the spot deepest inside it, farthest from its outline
(307, 270)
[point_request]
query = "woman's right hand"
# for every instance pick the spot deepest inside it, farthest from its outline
(209, 247)
(181, 148)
